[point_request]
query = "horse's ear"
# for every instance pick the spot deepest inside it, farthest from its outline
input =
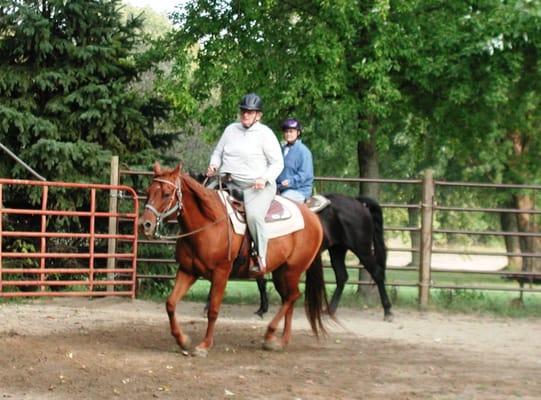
(157, 168)
(178, 168)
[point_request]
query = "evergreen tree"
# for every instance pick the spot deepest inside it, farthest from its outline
(67, 99)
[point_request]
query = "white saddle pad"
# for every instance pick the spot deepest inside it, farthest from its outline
(274, 228)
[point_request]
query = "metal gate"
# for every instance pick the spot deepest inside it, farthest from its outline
(92, 260)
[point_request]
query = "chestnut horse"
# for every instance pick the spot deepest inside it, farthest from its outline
(209, 246)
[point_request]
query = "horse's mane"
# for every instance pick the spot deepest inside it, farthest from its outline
(208, 203)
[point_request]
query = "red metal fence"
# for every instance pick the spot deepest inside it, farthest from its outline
(35, 261)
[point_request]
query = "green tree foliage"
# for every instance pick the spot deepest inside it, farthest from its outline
(326, 63)
(472, 77)
(66, 97)
(429, 83)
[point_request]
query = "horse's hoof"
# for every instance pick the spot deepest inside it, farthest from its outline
(200, 352)
(185, 343)
(388, 317)
(272, 345)
(517, 303)
(330, 311)
(260, 313)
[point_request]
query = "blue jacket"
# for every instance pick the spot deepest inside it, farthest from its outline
(298, 169)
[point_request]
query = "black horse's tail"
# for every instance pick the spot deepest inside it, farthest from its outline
(380, 249)
(315, 296)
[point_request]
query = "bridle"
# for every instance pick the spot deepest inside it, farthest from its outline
(177, 207)
(171, 208)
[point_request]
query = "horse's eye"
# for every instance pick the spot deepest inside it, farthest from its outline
(167, 195)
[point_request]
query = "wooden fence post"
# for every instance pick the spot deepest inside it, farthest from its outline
(427, 211)
(113, 208)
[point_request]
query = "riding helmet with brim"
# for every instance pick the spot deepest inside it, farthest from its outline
(291, 123)
(251, 102)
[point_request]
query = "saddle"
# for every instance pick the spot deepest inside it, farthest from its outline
(247, 255)
(317, 202)
(276, 211)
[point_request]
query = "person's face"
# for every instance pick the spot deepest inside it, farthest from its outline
(290, 135)
(249, 117)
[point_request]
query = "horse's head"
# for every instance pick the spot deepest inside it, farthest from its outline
(164, 199)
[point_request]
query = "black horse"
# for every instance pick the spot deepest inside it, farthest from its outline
(354, 224)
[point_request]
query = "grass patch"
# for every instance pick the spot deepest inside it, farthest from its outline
(14, 300)
(460, 301)
(503, 304)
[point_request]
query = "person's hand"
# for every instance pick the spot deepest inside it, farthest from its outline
(259, 183)
(211, 170)
(285, 183)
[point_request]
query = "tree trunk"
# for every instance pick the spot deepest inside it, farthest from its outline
(368, 168)
(415, 236)
(508, 222)
(526, 223)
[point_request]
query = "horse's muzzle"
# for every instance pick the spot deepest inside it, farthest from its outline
(147, 227)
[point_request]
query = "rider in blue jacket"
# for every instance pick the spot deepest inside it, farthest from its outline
(296, 180)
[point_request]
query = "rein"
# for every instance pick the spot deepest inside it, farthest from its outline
(156, 234)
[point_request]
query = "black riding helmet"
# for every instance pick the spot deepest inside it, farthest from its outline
(251, 102)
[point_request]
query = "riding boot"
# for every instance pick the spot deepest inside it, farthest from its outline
(258, 265)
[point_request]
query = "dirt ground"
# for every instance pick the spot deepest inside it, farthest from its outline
(118, 348)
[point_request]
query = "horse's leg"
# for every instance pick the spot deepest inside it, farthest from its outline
(291, 281)
(288, 288)
(378, 275)
(183, 282)
(338, 263)
(219, 281)
(207, 304)
(263, 298)
(288, 319)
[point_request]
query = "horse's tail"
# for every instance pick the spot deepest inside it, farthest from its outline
(315, 296)
(376, 212)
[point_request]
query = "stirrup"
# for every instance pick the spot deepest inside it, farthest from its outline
(257, 267)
